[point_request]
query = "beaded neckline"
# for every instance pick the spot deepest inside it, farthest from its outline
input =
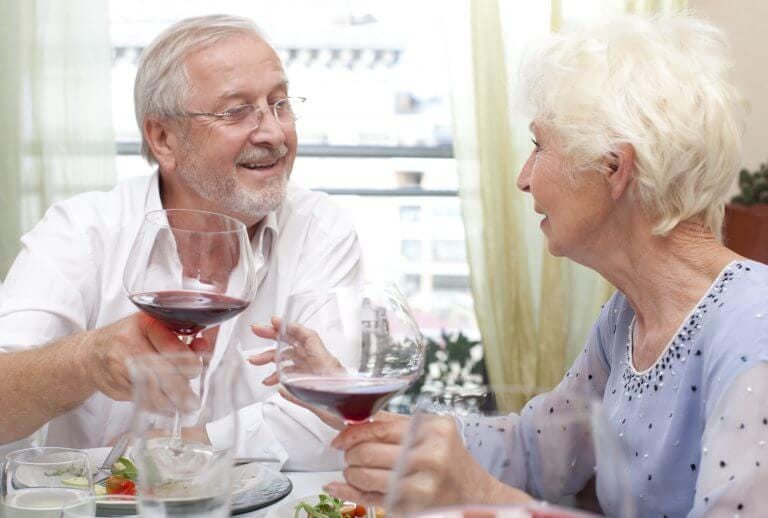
(636, 383)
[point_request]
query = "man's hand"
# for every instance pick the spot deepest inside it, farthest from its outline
(105, 353)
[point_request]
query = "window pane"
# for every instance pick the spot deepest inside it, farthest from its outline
(449, 251)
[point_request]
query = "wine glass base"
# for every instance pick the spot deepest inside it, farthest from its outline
(180, 460)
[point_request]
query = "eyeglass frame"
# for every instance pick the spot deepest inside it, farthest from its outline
(222, 116)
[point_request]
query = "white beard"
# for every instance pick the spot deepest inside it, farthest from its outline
(229, 193)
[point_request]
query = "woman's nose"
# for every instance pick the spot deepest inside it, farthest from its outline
(524, 178)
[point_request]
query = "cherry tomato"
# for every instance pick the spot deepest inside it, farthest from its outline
(117, 485)
(360, 510)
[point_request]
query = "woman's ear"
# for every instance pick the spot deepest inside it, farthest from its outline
(163, 141)
(618, 167)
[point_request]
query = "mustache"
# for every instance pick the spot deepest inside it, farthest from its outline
(257, 154)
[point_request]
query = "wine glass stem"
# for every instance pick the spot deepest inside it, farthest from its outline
(176, 441)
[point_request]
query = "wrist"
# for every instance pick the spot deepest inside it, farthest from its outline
(83, 358)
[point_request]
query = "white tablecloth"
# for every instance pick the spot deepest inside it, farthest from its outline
(304, 484)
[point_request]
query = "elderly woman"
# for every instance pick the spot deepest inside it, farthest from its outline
(636, 143)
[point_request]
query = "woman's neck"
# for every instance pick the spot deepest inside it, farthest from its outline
(663, 277)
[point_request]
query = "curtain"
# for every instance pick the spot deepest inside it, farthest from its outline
(56, 136)
(534, 310)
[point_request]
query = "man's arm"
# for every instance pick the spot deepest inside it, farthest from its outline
(39, 384)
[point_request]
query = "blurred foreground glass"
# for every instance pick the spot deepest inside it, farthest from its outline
(350, 349)
(550, 445)
(89, 507)
(195, 480)
(39, 482)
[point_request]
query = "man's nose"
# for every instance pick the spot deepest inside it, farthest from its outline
(269, 132)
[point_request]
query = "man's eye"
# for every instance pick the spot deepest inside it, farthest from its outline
(538, 147)
(238, 112)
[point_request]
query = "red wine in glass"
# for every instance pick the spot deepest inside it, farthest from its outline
(354, 399)
(187, 312)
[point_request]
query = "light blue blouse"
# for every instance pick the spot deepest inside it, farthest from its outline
(693, 427)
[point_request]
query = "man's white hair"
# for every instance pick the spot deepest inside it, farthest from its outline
(162, 84)
(658, 84)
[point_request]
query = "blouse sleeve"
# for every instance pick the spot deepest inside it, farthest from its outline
(547, 448)
(734, 454)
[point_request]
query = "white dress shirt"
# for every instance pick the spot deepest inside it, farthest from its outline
(68, 279)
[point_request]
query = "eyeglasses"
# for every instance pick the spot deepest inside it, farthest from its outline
(286, 111)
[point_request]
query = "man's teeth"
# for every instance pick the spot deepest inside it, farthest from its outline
(252, 165)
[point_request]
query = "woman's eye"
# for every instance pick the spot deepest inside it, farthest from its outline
(538, 147)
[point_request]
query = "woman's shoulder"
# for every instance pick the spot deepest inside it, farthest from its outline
(737, 304)
(734, 334)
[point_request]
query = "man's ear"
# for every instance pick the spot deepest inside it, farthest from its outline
(162, 138)
(618, 167)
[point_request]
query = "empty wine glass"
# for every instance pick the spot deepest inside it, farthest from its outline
(39, 482)
(190, 269)
(350, 349)
(551, 446)
(196, 481)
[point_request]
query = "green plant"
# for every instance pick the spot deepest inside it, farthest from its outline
(452, 362)
(754, 186)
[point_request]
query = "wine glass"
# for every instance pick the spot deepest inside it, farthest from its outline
(39, 482)
(190, 269)
(197, 480)
(554, 443)
(349, 350)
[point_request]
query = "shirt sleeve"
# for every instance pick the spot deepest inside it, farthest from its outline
(49, 291)
(547, 449)
(734, 454)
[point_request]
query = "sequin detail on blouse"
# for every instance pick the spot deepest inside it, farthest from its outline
(678, 350)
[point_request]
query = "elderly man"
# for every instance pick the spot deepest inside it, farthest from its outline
(216, 118)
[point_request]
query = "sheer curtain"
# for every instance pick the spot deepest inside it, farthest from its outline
(56, 136)
(534, 310)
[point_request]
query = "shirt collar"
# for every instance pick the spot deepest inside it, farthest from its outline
(262, 240)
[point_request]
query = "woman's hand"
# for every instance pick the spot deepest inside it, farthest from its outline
(438, 470)
(308, 353)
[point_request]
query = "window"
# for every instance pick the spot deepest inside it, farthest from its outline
(411, 249)
(377, 130)
(449, 251)
(410, 214)
(458, 283)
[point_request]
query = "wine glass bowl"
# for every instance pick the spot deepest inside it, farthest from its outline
(190, 269)
(350, 349)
